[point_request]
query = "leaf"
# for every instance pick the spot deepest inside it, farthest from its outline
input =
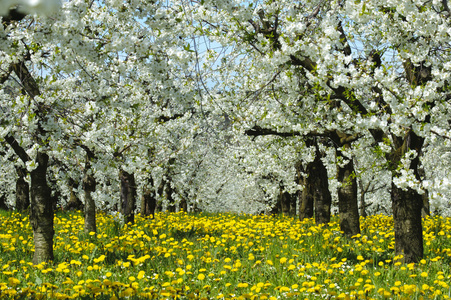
(188, 48)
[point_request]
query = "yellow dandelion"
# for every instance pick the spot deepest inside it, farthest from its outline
(201, 276)
(141, 274)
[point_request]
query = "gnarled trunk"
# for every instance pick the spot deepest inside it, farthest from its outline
(41, 213)
(347, 200)
(22, 190)
(128, 196)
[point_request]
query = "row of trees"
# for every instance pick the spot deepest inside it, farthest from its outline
(234, 104)
(334, 72)
(93, 92)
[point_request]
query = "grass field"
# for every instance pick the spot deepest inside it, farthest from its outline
(221, 256)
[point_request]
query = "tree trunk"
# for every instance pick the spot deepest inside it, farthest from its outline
(148, 201)
(161, 187)
(22, 190)
(159, 206)
(74, 203)
(315, 196)
(128, 196)
(363, 205)
(169, 191)
(426, 209)
(277, 207)
(407, 203)
(41, 205)
(347, 200)
(407, 206)
(41, 213)
(3, 205)
(288, 203)
(320, 185)
(293, 203)
(89, 186)
(306, 200)
(184, 205)
(283, 200)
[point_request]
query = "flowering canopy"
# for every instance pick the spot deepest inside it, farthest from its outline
(140, 83)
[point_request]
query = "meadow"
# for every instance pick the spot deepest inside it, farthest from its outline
(221, 256)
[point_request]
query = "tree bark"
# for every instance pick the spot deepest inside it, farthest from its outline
(426, 209)
(287, 202)
(315, 195)
(148, 201)
(89, 186)
(348, 206)
(306, 200)
(407, 206)
(168, 190)
(22, 190)
(41, 213)
(184, 205)
(320, 185)
(363, 205)
(293, 204)
(159, 206)
(407, 203)
(347, 200)
(41, 206)
(128, 196)
(74, 202)
(3, 205)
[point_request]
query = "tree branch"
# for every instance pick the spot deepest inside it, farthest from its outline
(17, 148)
(5, 76)
(259, 131)
(27, 80)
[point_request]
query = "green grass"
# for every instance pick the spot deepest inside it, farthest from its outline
(221, 256)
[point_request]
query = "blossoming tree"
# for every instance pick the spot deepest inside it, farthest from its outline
(109, 87)
(99, 79)
(346, 68)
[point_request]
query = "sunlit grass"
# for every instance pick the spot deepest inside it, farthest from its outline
(221, 256)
